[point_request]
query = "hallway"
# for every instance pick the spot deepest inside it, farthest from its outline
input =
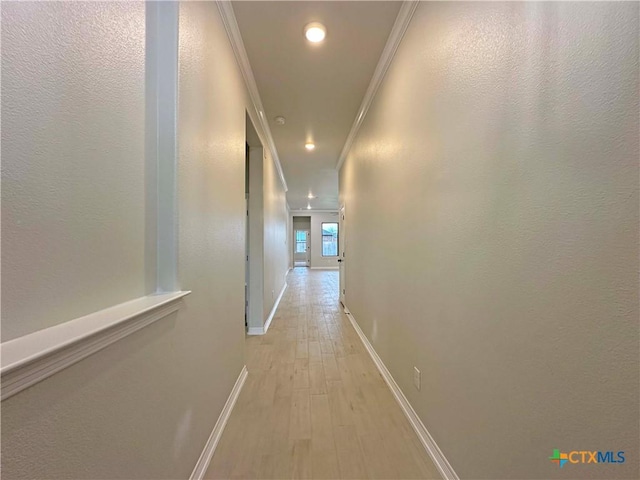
(314, 404)
(471, 168)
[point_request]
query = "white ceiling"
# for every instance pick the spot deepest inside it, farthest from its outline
(318, 88)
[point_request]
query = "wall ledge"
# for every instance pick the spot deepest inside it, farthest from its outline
(429, 444)
(31, 358)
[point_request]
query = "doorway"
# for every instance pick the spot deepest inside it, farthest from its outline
(302, 248)
(246, 234)
(341, 253)
(302, 241)
(254, 231)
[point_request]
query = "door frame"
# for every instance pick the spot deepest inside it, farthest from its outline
(342, 244)
(308, 253)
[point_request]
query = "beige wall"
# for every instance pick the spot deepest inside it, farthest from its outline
(144, 406)
(268, 259)
(492, 212)
(210, 339)
(301, 223)
(276, 244)
(256, 312)
(73, 133)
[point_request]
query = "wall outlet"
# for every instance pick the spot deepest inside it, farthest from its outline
(416, 378)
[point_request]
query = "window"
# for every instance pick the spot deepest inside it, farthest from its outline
(329, 239)
(301, 241)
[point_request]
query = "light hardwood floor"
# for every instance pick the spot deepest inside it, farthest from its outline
(314, 405)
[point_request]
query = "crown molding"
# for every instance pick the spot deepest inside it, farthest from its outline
(395, 37)
(256, 114)
(305, 212)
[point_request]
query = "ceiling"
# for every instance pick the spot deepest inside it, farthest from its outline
(318, 88)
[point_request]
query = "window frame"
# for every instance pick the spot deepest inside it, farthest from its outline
(337, 237)
(298, 242)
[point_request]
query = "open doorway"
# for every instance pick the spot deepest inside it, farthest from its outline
(302, 241)
(341, 254)
(254, 267)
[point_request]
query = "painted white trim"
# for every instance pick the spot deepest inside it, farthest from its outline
(210, 447)
(162, 20)
(395, 37)
(275, 307)
(263, 330)
(32, 358)
(305, 212)
(325, 268)
(258, 116)
(429, 444)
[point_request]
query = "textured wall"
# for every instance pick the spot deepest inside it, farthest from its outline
(302, 222)
(72, 160)
(211, 185)
(256, 315)
(145, 406)
(276, 259)
(506, 135)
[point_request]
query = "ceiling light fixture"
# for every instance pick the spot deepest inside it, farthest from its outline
(310, 196)
(315, 32)
(309, 146)
(308, 207)
(280, 120)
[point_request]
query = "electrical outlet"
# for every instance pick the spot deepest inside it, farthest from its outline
(416, 378)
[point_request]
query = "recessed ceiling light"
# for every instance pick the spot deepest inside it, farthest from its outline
(310, 196)
(308, 207)
(315, 32)
(309, 146)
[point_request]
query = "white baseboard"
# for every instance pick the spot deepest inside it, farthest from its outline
(324, 268)
(425, 437)
(210, 447)
(263, 330)
(275, 307)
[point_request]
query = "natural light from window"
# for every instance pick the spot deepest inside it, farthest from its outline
(301, 241)
(330, 239)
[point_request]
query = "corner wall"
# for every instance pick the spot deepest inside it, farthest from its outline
(276, 243)
(74, 159)
(256, 288)
(492, 210)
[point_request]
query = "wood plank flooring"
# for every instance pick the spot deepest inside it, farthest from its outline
(314, 405)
